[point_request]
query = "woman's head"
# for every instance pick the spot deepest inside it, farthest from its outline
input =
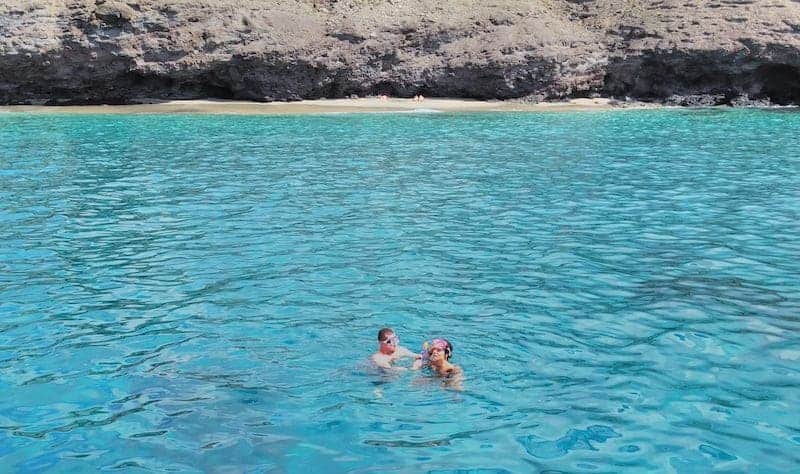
(438, 348)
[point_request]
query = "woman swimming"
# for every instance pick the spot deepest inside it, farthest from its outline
(436, 355)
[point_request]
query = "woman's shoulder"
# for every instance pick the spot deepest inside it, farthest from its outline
(454, 370)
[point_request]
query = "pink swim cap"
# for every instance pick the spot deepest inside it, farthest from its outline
(440, 344)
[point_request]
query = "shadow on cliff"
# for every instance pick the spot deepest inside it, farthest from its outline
(706, 78)
(682, 78)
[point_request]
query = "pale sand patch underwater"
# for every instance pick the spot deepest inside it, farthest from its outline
(374, 105)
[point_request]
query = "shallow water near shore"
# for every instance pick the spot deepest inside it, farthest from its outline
(200, 293)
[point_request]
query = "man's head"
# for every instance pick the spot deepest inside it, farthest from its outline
(388, 340)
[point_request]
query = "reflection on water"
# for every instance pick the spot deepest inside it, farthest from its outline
(201, 292)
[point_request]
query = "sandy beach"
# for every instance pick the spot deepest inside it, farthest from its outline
(361, 105)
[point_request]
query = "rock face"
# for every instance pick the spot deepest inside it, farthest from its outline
(677, 51)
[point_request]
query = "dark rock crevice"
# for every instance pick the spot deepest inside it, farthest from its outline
(780, 83)
(703, 78)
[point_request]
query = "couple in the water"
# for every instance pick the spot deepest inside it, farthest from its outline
(435, 355)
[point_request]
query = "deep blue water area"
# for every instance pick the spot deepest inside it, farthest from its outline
(200, 293)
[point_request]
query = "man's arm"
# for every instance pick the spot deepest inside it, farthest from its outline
(403, 352)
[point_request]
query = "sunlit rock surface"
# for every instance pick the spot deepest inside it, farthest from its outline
(680, 52)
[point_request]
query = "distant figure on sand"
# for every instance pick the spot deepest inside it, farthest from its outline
(436, 356)
(383, 97)
(390, 350)
(418, 98)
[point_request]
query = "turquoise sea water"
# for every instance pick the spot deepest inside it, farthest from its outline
(199, 293)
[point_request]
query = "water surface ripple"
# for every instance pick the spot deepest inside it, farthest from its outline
(199, 293)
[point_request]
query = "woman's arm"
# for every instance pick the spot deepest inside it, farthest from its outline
(456, 379)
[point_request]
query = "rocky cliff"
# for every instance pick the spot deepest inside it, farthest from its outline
(677, 51)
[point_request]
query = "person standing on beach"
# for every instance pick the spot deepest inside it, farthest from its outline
(390, 350)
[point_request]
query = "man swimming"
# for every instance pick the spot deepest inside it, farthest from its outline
(390, 350)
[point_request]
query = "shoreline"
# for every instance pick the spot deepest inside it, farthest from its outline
(332, 106)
